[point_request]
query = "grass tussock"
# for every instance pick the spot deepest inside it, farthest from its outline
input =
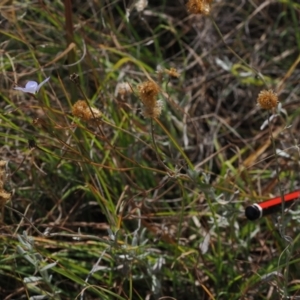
(133, 136)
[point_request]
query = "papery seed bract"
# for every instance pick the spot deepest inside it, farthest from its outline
(31, 87)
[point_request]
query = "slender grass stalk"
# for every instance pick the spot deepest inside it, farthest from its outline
(70, 39)
(155, 147)
(283, 225)
(235, 54)
(191, 166)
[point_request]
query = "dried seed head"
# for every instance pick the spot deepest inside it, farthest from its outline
(4, 196)
(75, 78)
(267, 99)
(148, 92)
(199, 6)
(123, 89)
(81, 110)
(153, 112)
(172, 72)
(2, 173)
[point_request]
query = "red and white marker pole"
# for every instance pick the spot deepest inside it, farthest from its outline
(258, 210)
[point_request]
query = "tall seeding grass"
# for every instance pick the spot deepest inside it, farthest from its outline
(125, 175)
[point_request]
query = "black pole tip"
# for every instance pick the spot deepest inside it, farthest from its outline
(252, 212)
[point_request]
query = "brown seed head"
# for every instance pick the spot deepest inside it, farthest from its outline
(4, 196)
(199, 6)
(75, 78)
(172, 72)
(153, 112)
(148, 92)
(2, 173)
(81, 110)
(267, 99)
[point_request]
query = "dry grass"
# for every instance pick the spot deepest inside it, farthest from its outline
(109, 204)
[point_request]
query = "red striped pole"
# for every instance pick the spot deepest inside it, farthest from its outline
(258, 210)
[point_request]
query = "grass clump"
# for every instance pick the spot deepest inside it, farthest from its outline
(126, 175)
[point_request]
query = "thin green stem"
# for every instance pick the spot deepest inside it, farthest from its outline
(283, 225)
(191, 166)
(155, 146)
(235, 54)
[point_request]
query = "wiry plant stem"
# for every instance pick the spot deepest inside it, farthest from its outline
(155, 146)
(234, 53)
(70, 39)
(283, 225)
(191, 166)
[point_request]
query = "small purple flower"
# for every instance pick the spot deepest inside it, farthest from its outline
(31, 87)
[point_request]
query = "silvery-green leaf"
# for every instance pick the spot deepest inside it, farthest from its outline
(134, 240)
(205, 244)
(49, 266)
(24, 242)
(266, 122)
(224, 64)
(111, 234)
(282, 153)
(32, 279)
(158, 264)
(27, 257)
(39, 297)
(271, 275)
(20, 250)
